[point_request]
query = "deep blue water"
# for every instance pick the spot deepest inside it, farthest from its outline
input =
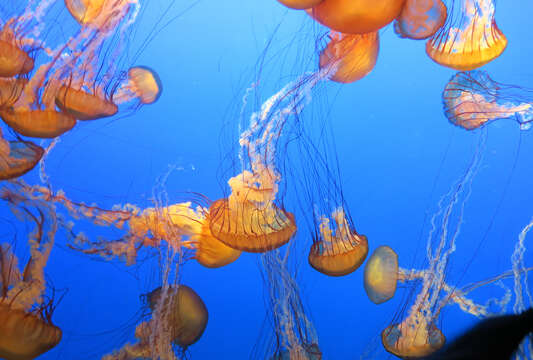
(397, 156)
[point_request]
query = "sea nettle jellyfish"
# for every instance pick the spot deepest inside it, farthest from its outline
(469, 39)
(26, 329)
(472, 99)
(354, 56)
(420, 19)
(249, 218)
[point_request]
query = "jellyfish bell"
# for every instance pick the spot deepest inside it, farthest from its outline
(248, 219)
(83, 105)
(381, 275)
(339, 253)
(300, 4)
(356, 16)
(143, 84)
(183, 310)
(472, 99)
(420, 19)
(84, 11)
(352, 55)
(412, 341)
(18, 157)
(469, 39)
(38, 123)
(13, 60)
(24, 336)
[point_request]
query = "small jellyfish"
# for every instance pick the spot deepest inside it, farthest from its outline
(472, 99)
(356, 16)
(248, 219)
(143, 84)
(352, 55)
(339, 253)
(420, 19)
(300, 4)
(13, 60)
(83, 105)
(469, 39)
(381, 275)
(38, 123)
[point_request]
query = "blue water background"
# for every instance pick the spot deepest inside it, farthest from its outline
(397, 154)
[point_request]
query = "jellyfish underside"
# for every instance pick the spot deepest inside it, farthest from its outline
(18, 158)
(13, 61)
(420, 19)
(83, 105)
(184, 311)
(38, 123)
(381, 275)
(356, 16)
(353, 56)
(25, 336)
(412, 342)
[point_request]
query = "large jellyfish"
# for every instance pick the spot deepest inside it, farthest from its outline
(469, 39)
(472, 99)
(356, 16)
(249, 219)
(17, 157)
(356, 55)
(26, 329)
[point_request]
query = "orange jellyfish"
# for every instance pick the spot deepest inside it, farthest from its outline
(470, 38)
(420, 19)
(18, 157)
(85, 11)
(300, 4)
(248, 219)
(352, 56)
(83, 105)
(337, 252)
(472, 99)
(13, 60)
(143, 84)
(356, 16)
(26, 330)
